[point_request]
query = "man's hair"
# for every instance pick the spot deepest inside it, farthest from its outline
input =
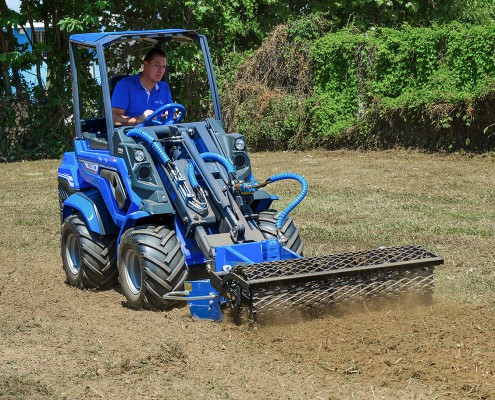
(154, 52)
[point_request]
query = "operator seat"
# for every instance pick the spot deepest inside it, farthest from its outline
(113, 82)
(94, 129)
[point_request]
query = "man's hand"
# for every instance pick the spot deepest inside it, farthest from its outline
(120, 118)
(146, 114)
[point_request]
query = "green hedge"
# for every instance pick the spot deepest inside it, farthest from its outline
(31, 130)
(366, 84)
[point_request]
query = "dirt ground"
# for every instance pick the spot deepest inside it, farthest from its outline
(57, 342)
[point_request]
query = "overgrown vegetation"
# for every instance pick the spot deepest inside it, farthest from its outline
(20, 387)
(424, 87)
(341, 73)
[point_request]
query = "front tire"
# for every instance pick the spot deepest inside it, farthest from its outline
(89, 259)
(151, 264)
(267, 223)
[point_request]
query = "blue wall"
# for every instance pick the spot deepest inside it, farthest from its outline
(30, 74)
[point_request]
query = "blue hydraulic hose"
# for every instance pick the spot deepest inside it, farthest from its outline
(191, 175)
(157, 147)
(212, 157)
(221, 159)
(297, 200)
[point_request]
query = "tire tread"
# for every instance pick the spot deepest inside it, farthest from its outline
(98, 269)
(163, 265)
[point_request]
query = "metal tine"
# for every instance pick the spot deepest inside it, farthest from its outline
(326, 292)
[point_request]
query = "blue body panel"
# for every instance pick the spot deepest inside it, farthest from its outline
(86, 208)
(227, 257)
(90, 162)
(81, 169)
(69, 171)
(251, 253)
(207, 308)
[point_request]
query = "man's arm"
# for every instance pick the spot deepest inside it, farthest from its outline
(120, 102)
(119, 117)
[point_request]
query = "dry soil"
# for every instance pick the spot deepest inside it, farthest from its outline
(64, 343)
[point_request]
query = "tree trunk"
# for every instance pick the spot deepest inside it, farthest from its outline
(7, 45)
(51, 17)
(33, 41)
(4, 65)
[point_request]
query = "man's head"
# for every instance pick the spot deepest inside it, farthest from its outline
(155, 63)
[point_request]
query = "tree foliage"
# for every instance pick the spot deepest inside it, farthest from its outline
(429, 87)
(37, 120)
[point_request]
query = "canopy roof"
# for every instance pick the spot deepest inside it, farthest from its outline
(152, 36)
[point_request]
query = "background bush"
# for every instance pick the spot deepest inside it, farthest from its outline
(423, 87)
(347, 73)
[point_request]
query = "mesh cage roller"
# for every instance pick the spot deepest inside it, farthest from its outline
(316, 282)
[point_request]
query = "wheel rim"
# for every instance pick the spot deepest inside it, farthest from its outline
(132, 271)
(73, 254)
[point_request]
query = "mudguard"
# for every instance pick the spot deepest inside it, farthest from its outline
(92, 207)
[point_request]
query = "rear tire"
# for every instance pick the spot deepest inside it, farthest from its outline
(151, 264)
(268, 227)
(89, 259)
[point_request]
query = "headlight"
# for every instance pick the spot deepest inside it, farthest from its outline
(240, 144)
(139, 155)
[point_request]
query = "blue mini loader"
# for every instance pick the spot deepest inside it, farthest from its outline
(172, 211)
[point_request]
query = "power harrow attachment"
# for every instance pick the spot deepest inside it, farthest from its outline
(314, 283)
(172, 210)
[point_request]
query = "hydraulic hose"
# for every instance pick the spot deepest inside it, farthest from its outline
(157, 147)
(191, 175)
(297, 200)
(221, 159)
(212, 157)
(198, 203)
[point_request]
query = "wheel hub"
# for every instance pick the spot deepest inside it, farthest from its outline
(73, 254)
(133, 271)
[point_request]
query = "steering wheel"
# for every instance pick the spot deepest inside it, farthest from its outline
(172, 108)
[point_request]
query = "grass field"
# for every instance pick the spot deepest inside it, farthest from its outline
(364, 200)
(63, 343)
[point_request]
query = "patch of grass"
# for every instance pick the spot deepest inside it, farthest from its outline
(170, 352)
(360, 200)
(22, 387)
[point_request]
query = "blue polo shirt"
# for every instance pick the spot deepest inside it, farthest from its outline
(132, 97)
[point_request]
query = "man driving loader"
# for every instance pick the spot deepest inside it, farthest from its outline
(182, 219)
(137, 96)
